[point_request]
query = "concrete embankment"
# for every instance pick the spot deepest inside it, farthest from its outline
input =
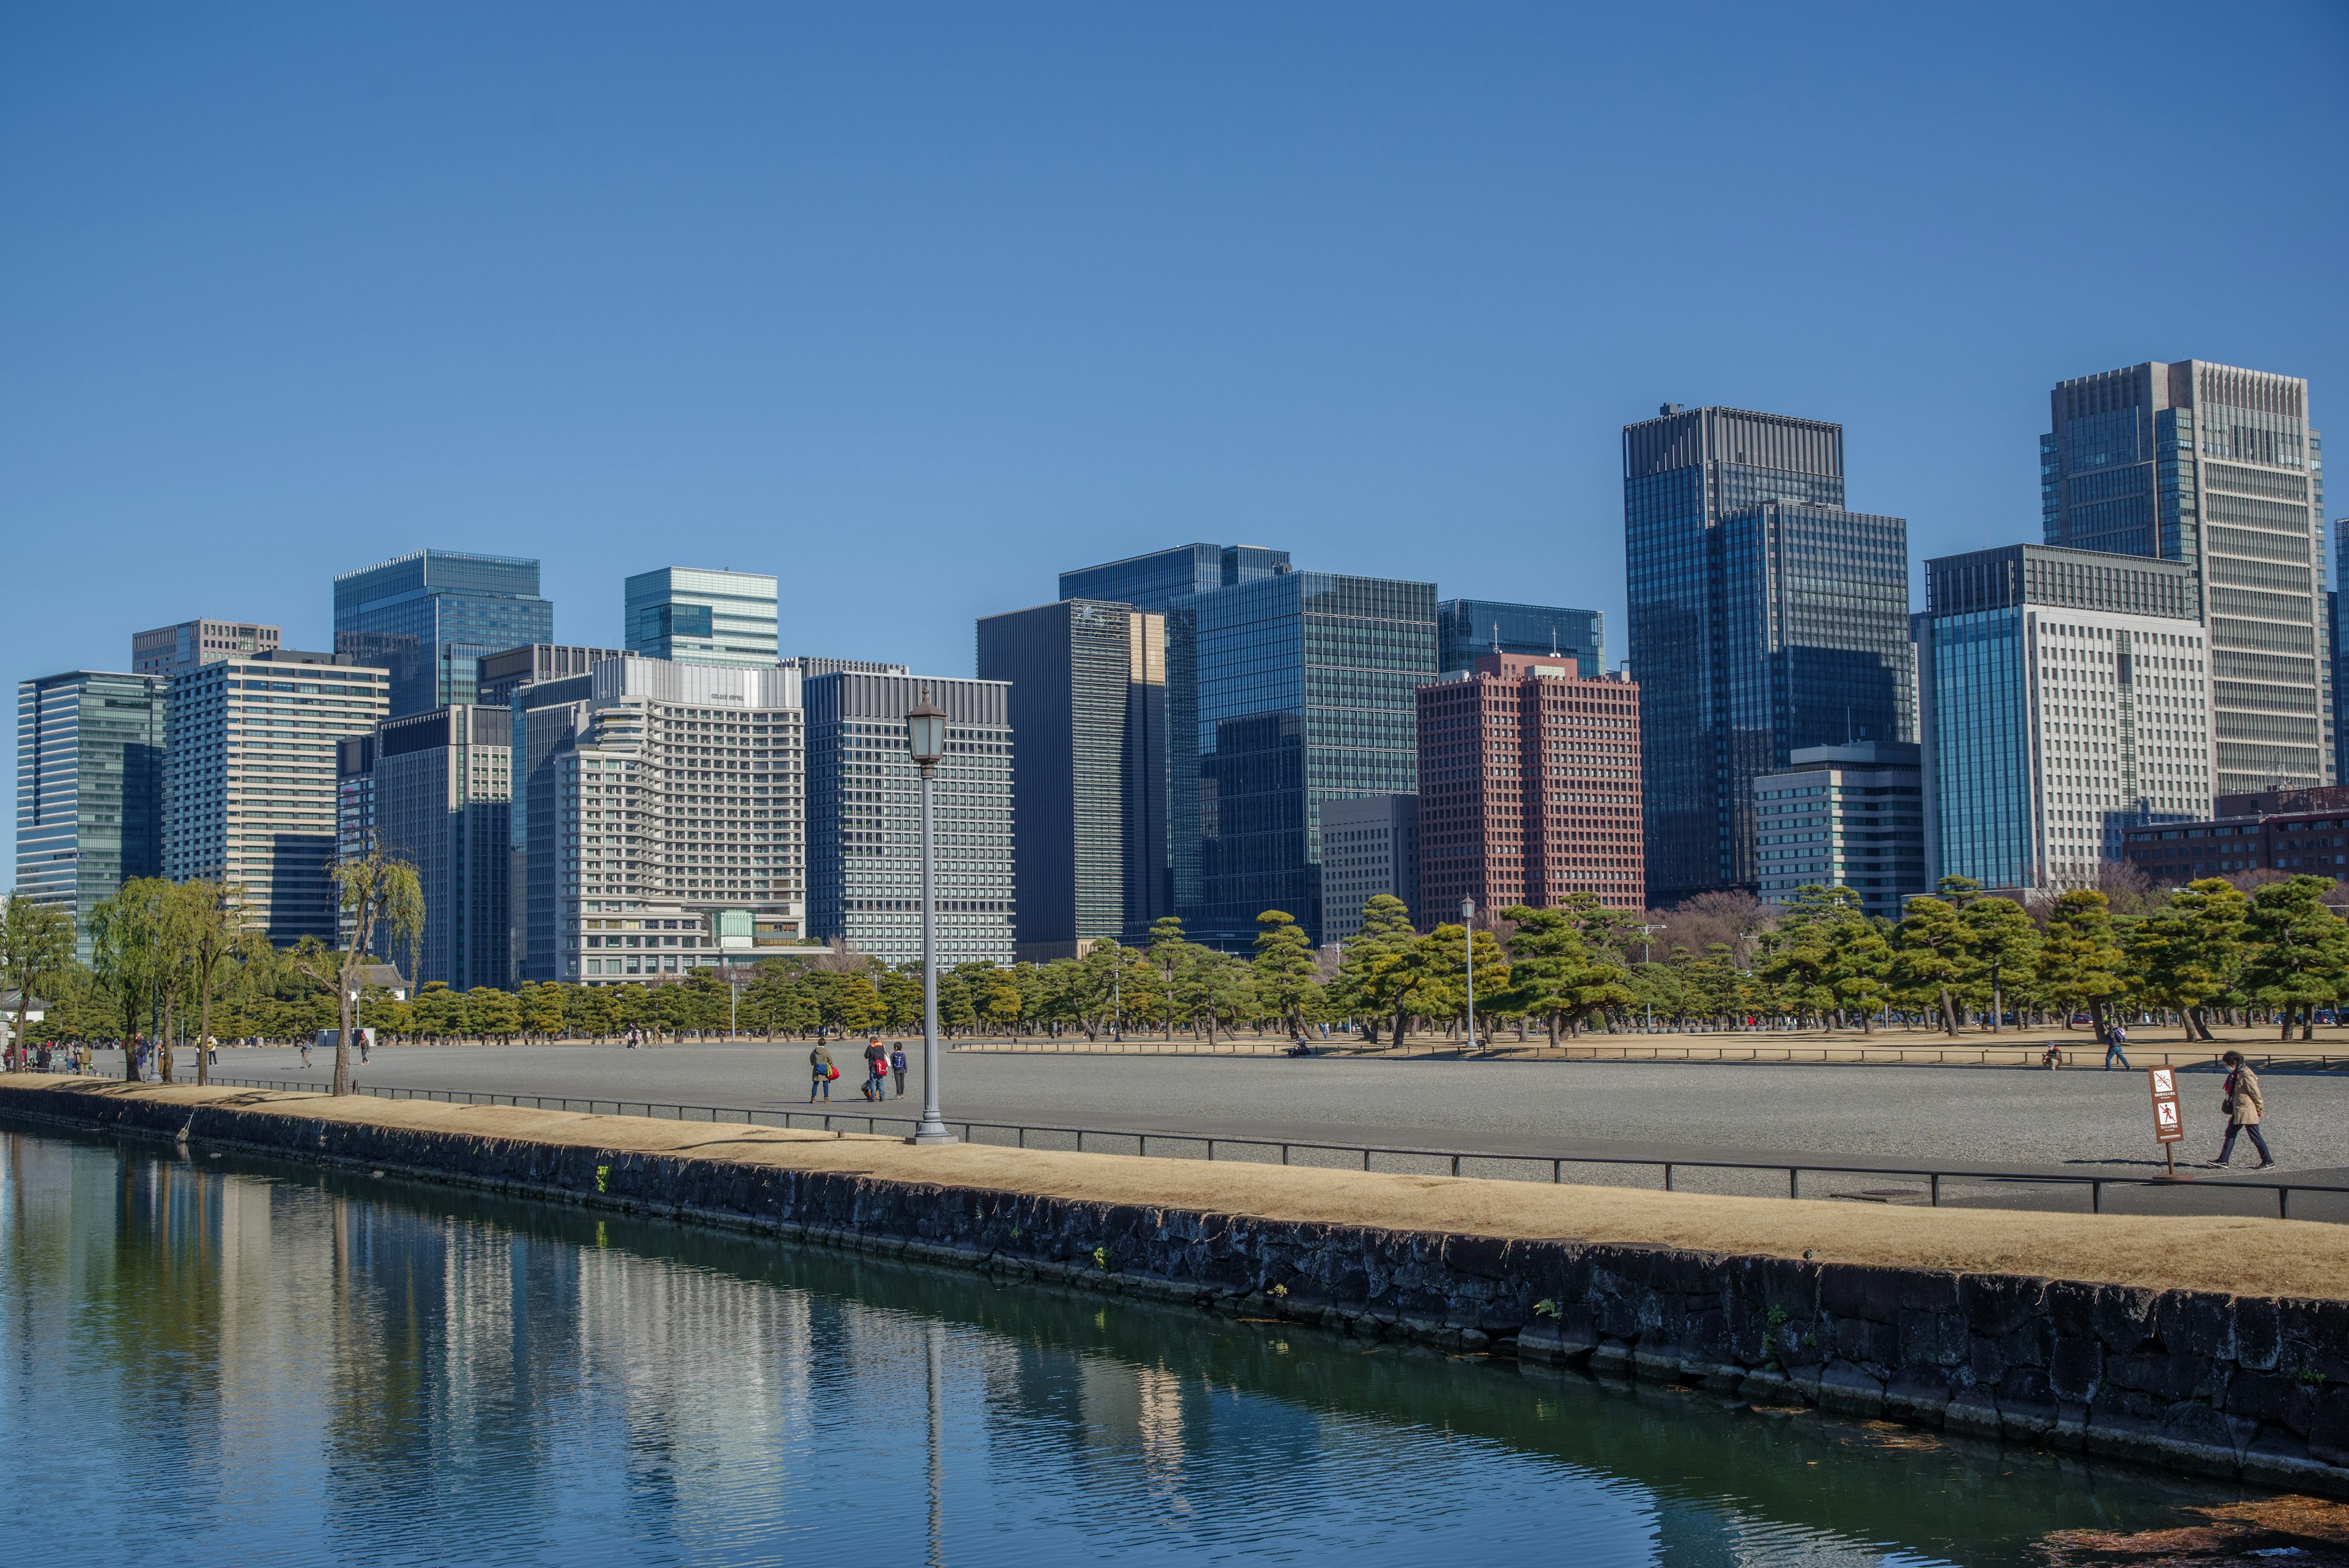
(2217, 1344)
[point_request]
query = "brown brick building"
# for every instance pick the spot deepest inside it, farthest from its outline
(2314, 842)
(1528, 788)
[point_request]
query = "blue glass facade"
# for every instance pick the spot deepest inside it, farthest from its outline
(1466, 629)
(429, 617)
(1155, 581)
(1985, 784)
(1283, 693)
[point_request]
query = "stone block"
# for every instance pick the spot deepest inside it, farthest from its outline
(1973, 1410)
(2328, 1427)
(2122, 1316)
(1479, 1257)
(2273, 1398)
(1917, 1394)
(2069, 1308)
(1933, 1336)
(1850, 1389)
(2194, 1322)
(2076, 1368)
(2259, 1333)
(1859, 1339)
(2164, 1377)
(1983, 1362)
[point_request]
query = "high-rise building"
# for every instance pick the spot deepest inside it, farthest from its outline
(355, 823)
(545, 719)
(429, 616)
(504, 673)
(1087, 705)
(1282, 693)
(864, 825)
(1528, 789)
(2215, 468)
(2066, 699)
(691, 615)
(251, 785)
(1155, 581)
(2303, 833)
(1370, 845)
(441, 795)
(89, 788)
(169, 650)
(675, 830)
(1845, 817)
(1764, 616)
(811, 665)
(1465, 629)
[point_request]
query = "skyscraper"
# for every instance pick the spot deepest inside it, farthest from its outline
(1845, 817)
(429, 616)
(1467, 630)
(1155, 581)
(89, 788)
(2066, 699)
(168, 649)
(1370, 845)
(691, 615)
(2215, 468)
(1088, 711)
(439, 799)
(1764, 616)
(504, 673)
(1281, 693)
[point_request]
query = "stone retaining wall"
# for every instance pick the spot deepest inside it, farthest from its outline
(2236, 1386)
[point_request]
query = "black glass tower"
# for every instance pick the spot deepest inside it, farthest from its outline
(1764, 616)
(1153, 582)
(1466, 629)
(430, 616)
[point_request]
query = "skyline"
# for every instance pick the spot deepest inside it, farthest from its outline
(918, 315)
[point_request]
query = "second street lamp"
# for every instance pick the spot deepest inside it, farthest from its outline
(926, 739)
(1468, 952)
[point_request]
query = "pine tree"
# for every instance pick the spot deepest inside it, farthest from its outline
(2081, 964)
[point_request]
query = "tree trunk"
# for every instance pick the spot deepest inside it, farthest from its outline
(2285, 1012)
(203, 1029)
(2097, 1021)
(1948, 1015)
(1997, 1002)
(1553, 1027)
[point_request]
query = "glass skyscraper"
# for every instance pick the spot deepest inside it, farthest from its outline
(691, 615)
(1467, 630)
(430, 616)
(2215, 468)
(1281, 693)
(89, 788)
(1764, 616)
(1155, 581)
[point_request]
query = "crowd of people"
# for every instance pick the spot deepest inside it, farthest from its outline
(881, 1063)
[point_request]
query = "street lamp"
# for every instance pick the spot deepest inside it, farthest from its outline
(1468, 947)
(926, 739)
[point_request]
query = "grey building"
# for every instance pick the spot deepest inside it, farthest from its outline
(2066, 699)
(1764, 617)
(544, 719)
(355, 825)
(1157, 580)
(500, 675)
(811, 665)
(864, 827)
(695, 614)
(1845, 817)
(1087, 704)
(1468, 628)
(2215, 468)
(89, 788)
(429, 616)
(441, 796)
(1370, 845)
(169, 650)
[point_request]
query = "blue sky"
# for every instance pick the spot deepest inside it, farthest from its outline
(917, 306)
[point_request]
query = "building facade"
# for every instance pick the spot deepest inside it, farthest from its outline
(812, 665)
(1370, 845)
(1845, 817)
(1155, 581)
(251, 784)
(1764, 616)
(2298, 842)
(676, 826)
(2066, 697)
(1465, 629)
(89, 788)
(355, 823)
(169, 650)
(1282, 693)
(693, 615)
(1529, 791)
(544, 719)
(440, 801)
(428, 617)
(864, 825)
(498, 676)
(2215, 468)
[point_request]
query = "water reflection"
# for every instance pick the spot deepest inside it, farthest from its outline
(209, 1359)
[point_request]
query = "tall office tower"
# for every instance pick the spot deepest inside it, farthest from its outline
(89, 788)
(2215, 468)
(2066, 699)
(1283, 693)
(674, 832)
(1088, 706)
(251, 788)
(1528, 789)
(442, 785)
(168, 649)
(1764, 616)
(1468, 628)
(690, 615)
(502, 674)
(1845, 817)
(865, 826)
(1370, 845)
(545, 719)
(428, 617)
(811, 665)
(355, 823)
(1155, 581)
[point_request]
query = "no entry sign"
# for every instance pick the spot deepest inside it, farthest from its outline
(2166, 1128)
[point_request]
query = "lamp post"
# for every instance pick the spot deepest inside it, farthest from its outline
(1468, 949)
(926, 739)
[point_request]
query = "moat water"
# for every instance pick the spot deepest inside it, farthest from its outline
(226, 1360)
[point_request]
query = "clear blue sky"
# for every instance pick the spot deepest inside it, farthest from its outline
(917, 306)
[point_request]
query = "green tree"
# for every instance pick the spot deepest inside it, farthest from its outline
(380, 896)
(1375, 974)
(542, 1011)
(37, 946)
(1932, 953)
(1442, 961)
(2081, 963)
(1554, 974)
(128, 957)
(216, 937)
(437, 1012)
(2003, 945)
(2299, 957)
(491, 1013)
(1287, 978)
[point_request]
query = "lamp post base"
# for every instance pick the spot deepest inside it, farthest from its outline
(929, 1130)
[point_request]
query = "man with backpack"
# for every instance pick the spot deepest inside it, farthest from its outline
(897, 1066)
(876, 1069)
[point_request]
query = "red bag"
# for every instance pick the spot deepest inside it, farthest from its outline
(831, 1073)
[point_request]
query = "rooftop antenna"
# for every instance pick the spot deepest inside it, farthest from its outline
(1496, 637)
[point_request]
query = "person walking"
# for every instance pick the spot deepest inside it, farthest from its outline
(876, 1069)
(305, 1056)
(2115, 1038)
(822, 1073)
(2244, 1107)
(897, 1066)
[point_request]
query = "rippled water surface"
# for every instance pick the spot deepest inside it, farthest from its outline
(221, 1360)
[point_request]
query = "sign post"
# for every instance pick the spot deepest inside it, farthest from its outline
(2168, 1128)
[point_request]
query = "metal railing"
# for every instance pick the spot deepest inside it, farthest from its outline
(843, 1121)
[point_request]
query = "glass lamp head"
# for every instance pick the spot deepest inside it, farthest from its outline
(926, 731)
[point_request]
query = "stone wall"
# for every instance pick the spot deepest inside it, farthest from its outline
(2234, 1385)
